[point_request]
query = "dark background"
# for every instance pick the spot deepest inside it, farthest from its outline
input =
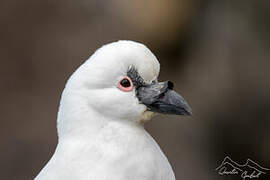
(216, 51)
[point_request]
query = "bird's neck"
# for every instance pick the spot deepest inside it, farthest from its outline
(80, 121)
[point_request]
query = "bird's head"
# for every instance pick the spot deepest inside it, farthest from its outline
(119, 81)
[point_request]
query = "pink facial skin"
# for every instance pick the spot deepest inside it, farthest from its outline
(125, 89)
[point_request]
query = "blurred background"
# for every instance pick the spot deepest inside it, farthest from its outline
(216, 52)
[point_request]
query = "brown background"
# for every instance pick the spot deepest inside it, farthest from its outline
(216, 52)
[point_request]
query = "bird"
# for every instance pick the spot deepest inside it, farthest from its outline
(101, 117)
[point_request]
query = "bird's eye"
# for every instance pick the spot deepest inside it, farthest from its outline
(125, 84)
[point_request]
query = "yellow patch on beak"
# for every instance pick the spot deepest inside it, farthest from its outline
(147, 116)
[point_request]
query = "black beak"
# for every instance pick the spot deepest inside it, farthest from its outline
(161, 98)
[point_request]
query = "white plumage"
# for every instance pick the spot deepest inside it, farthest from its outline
(100, 127)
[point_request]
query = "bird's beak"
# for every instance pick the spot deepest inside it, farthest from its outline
(161, 98)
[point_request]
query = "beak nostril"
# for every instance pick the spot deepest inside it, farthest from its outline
(161, 96)
(170, 85)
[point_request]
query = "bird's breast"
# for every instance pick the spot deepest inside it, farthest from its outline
(117, 152)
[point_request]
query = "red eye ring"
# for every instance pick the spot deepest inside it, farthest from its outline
(125, 84)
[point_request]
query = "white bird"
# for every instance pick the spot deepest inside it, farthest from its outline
(101, 115)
